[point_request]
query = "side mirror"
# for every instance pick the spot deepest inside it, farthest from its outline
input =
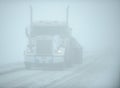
(26, 32)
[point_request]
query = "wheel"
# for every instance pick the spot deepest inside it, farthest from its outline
(28, 66)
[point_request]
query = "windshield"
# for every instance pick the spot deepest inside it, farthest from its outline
(48, 31)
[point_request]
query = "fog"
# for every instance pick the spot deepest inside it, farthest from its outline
(95, 25)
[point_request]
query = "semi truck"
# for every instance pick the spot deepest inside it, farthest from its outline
(51, 43)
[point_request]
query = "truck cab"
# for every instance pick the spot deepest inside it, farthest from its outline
(51, 43)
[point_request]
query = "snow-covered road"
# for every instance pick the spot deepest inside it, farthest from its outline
(95, 72)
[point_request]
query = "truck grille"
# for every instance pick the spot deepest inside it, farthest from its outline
(44, 47)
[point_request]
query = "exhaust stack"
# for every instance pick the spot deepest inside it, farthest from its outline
(67, 15)
(31, 15)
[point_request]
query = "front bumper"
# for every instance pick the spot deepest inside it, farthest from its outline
(44, 59)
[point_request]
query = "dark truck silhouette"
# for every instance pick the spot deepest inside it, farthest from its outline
(51, 43)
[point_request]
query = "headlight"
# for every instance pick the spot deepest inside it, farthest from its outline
(61, 50)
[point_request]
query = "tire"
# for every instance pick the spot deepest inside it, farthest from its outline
(28, 66)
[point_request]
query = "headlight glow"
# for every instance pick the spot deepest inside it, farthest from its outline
(61, 50)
